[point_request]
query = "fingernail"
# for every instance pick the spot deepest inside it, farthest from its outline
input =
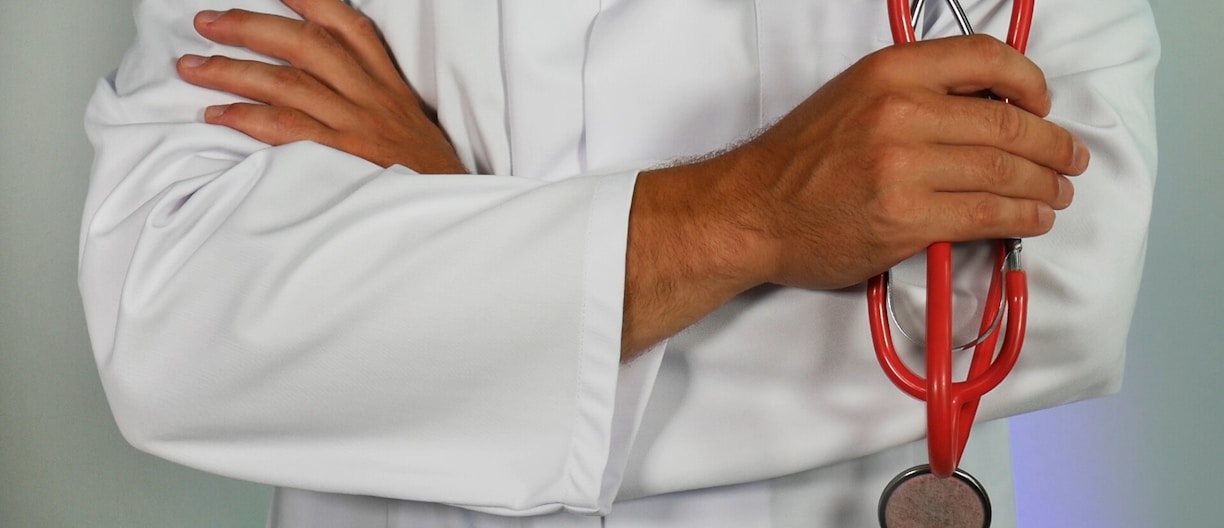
(208, 16)
(1065, 192)
(214, 112)
(192, 61)
(1082, 155)
(1045, 215)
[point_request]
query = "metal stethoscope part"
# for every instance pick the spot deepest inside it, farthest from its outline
(1011, 263)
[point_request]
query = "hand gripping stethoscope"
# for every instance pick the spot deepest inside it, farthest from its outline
(940, 494)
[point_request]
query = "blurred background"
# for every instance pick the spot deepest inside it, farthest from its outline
(1145, 458)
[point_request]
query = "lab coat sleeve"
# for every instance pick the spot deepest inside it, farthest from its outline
(1099, 57)
(297, 316)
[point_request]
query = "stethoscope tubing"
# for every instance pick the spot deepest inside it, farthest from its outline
(952, 406)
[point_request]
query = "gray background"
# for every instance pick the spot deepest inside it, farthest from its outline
(1144, 458)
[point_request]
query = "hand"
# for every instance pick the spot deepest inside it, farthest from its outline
(340, 87)
(894, 154)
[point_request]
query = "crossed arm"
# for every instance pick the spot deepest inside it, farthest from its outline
(882, 161)
(303, 317)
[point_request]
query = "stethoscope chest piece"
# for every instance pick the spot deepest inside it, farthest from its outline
(918, 499)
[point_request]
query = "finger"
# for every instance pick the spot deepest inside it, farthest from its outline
(960, 217)
(994, 171)
(356, 32)
(273, 125)
(275, 85)
(977, 121)
(967, 65)
(305, 45)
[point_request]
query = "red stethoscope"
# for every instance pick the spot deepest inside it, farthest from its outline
(951, 405)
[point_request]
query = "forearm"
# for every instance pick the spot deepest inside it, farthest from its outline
(685, 256)
(296, 316)
(303, 305)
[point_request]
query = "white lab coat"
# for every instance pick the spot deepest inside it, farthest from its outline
(300, 317)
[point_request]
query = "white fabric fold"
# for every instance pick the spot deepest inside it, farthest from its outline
(300, 317)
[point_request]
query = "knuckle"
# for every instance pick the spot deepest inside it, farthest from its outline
(984, 212)
(878, 63)
(388, 101)
(998, 169)
(283, 121)
(1006, 123)
(888, 162)
(885, 63)
(889, 110)
(363, 28)
(894, 205)
(986, 48)
(285, 77)
(270, 125)
(314, 32)
(317, 37)
(894, 208)
(375, 125)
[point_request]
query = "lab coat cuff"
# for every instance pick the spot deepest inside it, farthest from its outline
(611, 396)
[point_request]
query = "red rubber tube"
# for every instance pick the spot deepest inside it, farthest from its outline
(952, 407)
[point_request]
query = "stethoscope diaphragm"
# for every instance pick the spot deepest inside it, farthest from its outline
(918, 499)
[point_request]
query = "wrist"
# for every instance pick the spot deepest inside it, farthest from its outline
(704, 209)
(676, 268)
(689, 251)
